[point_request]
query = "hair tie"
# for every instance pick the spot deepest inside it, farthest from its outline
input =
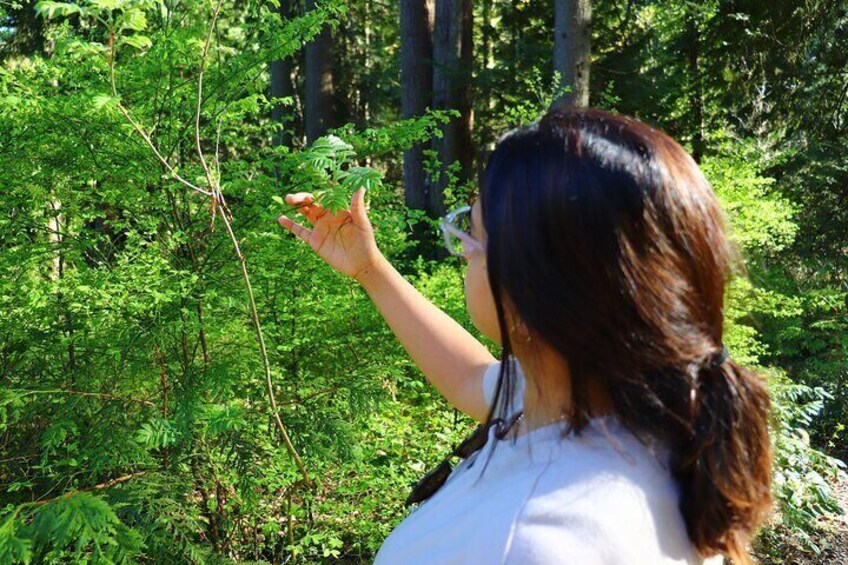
(718, 359)
(433, 481)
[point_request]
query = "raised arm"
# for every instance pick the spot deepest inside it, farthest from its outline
(448, 355)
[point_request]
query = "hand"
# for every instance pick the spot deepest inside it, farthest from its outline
(344, 239)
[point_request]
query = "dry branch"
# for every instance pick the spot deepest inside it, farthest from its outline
(213, 190)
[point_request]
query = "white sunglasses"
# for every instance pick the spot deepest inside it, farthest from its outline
(455, 226)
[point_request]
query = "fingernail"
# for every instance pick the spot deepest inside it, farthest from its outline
(283, 220)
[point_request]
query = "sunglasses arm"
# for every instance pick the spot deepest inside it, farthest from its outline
(461, 235)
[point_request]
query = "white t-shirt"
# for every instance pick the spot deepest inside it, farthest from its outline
(598, 498)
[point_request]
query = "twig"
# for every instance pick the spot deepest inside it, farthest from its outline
(141, 131)
(212, 184)
(218, 201)
(101, 486)
(27, 392)
(226, 217)
(269, 384)
(218, 152)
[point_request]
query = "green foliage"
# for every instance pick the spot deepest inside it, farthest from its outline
(400, 134)
(762, 221)
(117, 16)
(156, 434)
(135, 337)
(763, 224)
(325, 170)
(803, 474)
(126, 347)
(81, 527)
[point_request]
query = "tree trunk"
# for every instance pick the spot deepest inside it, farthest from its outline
(366, 109)
(416, 75)
(465, 143)
(28, 35)
(516, 37)
(281, 85)
(452, 64)
(696, 92)
(486, 30)
(573, 19)
(319, 83)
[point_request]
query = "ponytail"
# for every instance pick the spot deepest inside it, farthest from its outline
(724, 466)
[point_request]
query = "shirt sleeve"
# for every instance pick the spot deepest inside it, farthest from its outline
(490, 384)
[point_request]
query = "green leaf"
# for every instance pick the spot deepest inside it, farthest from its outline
(137, 41)
(105, 101)
(13, 549)
(328, 151)
(156, 434)
(133, 19)
(10, 101)
(51, 9)
(107, 5)
(85, 48)
(358, 177)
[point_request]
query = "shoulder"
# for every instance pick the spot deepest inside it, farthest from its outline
(490, 384)
(602, 503)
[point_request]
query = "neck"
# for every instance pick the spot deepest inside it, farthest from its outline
(547, 393)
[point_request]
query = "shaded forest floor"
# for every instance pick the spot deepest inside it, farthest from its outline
(832, 539)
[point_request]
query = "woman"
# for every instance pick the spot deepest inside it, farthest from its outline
(619, 431)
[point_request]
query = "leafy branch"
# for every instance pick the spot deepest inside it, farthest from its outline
(102, 11)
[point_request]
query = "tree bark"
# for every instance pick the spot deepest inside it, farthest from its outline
(465, 143)
(696, 90)
(28, 35)
(483, 87)
(572, 22)
(319, 83)
(366, 108)
(452, 65)
(282, 85)
(416, 75)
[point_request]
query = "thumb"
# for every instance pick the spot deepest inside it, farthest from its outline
(357, 208)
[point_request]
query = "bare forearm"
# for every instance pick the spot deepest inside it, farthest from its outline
(446, 353)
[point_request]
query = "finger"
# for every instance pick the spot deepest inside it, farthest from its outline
(313, 213)
(300, 198)
(316, 211)
(297, 229)
(310, 209)
(297, 197)
(305, 209)
(357, 208)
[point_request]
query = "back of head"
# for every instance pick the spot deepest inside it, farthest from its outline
(608, 241)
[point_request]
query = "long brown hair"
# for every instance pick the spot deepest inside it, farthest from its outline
(608, 242)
